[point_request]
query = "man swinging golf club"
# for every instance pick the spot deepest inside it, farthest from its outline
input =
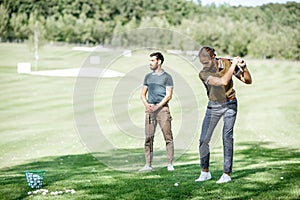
(216, 76)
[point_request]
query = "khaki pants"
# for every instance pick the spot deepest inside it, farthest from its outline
(163, 118)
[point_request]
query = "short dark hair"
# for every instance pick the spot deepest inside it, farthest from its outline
(207, 51)
(158, 56)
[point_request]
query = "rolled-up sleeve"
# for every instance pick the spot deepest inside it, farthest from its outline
(205, 76)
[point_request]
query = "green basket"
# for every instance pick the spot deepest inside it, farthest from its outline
(35, 178)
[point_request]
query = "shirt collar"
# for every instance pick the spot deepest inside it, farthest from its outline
(159, 73)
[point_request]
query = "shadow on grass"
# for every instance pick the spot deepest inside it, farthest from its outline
(259, 173)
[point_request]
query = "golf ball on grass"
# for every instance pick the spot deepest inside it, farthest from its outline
(72, 191)
(44, 192)
(176, 184)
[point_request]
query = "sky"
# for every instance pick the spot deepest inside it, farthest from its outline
(245, 2)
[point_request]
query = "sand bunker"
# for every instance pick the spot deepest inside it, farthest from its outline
(79, 72)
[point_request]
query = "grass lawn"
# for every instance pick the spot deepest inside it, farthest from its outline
(80, 132)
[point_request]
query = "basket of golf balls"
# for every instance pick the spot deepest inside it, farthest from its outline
(35, 178)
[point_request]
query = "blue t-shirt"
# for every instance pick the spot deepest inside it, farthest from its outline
(157, 84)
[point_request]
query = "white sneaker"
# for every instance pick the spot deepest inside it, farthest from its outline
(224, 178)
(170, 167)
(204, 176)
(146, 168)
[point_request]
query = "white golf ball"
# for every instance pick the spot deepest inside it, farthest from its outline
(176, 184)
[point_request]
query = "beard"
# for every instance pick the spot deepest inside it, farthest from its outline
(153, 67)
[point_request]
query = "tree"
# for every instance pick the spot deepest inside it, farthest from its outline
(118, 37)
(4, 20)
(19, 27)
(94, 21)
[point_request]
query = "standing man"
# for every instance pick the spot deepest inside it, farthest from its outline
(159, 86)
(217, 78)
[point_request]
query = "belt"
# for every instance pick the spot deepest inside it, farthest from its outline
(166, 105)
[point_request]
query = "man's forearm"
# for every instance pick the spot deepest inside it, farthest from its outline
(247, 76)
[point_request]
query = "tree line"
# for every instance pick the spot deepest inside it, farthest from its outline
(269, 31)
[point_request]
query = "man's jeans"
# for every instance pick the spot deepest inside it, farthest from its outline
(213, 114)
(163, 118)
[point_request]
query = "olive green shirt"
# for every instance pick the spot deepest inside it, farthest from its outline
(217, 93)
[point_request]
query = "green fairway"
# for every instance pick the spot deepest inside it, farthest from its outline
(40, 129)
